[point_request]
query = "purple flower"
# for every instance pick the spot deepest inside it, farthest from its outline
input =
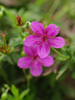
(44, 38)
(33, 61)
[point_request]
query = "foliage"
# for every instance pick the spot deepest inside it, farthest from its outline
(56, 82)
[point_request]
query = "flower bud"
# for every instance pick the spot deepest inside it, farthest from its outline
(1, 14)
(22, 53)
(5, 48)
(19, 20)
(1, 11)
(4, 96)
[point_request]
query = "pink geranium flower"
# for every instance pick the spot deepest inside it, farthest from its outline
(33, 61)
(44, 38)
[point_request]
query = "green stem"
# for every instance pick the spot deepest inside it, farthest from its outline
(27, 24)
(20, 32)
(27, 77)
(4, 42)
(25, 74)
(60, 53)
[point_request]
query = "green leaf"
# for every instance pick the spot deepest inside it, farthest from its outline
(6, 85)
(1, 11)
(9, 59)
(61, 58)
(4, 96)
(1, 43)
(15, 57)
(73, 75)
(61, 71)
(10, 13)
(14, 91)
(15, 42)
(70, 91)
(73, 57)
(57, 95)
(21, 11)
(24, 93)
(40, 2)
(10, 97)
(2, 57)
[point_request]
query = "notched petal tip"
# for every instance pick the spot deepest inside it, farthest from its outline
(56, 42)
(37, 28)
(47, 62)
(24, 62)
(36, 69)
(52, 30)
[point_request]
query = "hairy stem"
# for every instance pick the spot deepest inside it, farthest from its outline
(27, 77)
(4, 42)
(67, 57)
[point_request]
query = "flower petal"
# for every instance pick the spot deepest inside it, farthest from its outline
(24, 62)
(30, 51)
(43, 49)
(56, 42)
(48, 61)
(37, 28)
(36, 69)
(52, 30)
(32, 40)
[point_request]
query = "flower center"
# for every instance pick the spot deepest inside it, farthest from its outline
(35, 57)
(44, 37)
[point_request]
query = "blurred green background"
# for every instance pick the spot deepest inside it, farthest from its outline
(56, 82)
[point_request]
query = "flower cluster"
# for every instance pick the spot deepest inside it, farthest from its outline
(37, 47)
(33, 61)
